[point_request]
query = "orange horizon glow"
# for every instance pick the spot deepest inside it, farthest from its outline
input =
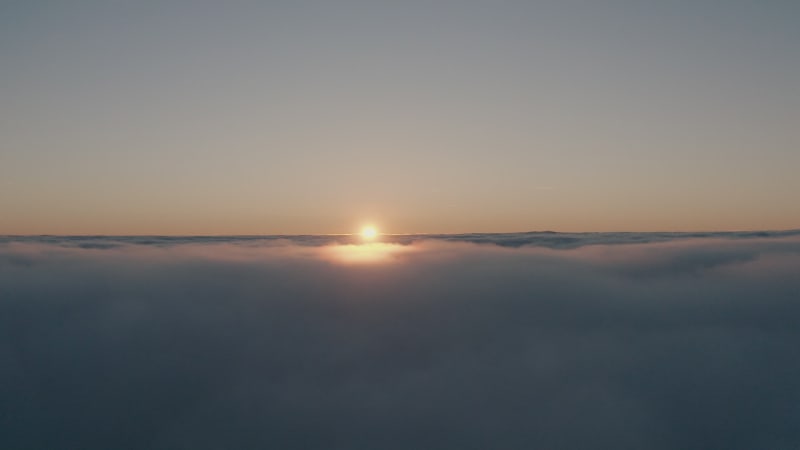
(399, 220)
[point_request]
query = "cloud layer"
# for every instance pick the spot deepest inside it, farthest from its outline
(535, 340)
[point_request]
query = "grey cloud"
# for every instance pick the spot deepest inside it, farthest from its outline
(548, 239)
(206, 343)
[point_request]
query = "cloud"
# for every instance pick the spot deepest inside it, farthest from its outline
(548, 239)
(531, 340)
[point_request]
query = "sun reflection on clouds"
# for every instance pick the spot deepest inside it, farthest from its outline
(369, 253)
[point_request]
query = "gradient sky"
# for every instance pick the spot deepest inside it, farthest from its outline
(258, 117)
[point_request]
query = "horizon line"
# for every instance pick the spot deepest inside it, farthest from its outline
(88, 235)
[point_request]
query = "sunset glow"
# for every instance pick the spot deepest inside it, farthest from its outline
(369, 253)
(369, 233)
(413, 225)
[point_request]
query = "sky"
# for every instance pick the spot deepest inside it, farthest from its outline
(301, 117)
(657, 342)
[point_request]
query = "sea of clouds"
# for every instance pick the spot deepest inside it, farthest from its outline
(480, 341)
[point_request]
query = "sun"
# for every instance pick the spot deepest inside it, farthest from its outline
(369, 233)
